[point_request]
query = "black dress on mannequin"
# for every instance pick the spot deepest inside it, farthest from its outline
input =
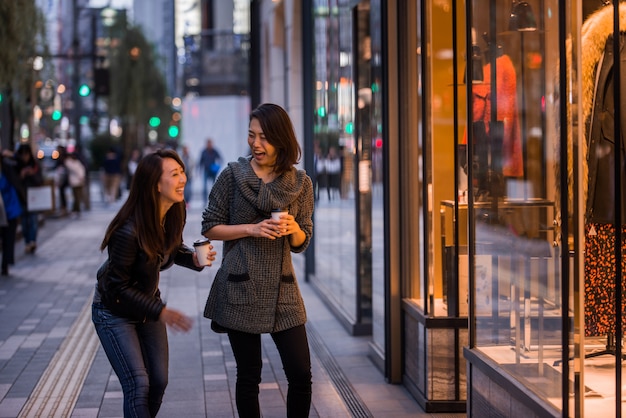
(600, 263)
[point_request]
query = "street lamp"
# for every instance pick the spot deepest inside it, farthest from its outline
(37, 67)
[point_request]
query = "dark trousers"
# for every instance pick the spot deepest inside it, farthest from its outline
(293, 347)
(62, 197)
(8, 243)
(138, 353)
(77, 196)
(30, 224)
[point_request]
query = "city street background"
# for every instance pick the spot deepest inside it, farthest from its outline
(51, 363)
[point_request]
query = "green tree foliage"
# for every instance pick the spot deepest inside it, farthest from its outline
(22, 37)
(138, 89)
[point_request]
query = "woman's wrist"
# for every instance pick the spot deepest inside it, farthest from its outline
(297, 238)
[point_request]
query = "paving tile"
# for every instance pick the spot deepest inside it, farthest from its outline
(85, 413)
(10, 407)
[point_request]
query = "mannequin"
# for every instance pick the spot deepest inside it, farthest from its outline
(510, 160)
(598, 151)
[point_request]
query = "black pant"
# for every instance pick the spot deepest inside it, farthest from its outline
(8, 243)
(77, 195)
(62, 197)
(293, 347)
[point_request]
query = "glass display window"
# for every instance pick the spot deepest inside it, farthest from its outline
(513, 123)
(440, 45)
(334, 149)
(544, 199)
(348, 149)
(434, 301)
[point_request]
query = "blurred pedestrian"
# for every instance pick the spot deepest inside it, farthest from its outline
(76, 174)
(30, 175)
(210, 164)
(130, 318)
(333, 173)
(61, 180)
(319, 162)
(9, 186)
(255, 290)
(131, 167)
(112, 175)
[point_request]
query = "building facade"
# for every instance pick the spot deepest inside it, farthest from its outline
(157, 21)
(464, 164)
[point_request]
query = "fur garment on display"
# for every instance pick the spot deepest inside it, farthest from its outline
(594, 32)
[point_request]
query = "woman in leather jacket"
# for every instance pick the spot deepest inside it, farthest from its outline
(145, 236)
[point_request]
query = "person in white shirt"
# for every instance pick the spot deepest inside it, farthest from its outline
(76, 173)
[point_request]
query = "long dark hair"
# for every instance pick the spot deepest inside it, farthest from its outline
(25, 149)
(279, 132)
(143, 205)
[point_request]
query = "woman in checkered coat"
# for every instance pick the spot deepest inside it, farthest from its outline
(255, 291)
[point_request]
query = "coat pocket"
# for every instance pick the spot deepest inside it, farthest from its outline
(240, 289)
(289, 294)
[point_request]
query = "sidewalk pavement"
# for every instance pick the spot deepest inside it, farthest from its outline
(52, 365)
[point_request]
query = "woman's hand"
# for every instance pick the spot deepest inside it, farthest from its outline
(209, 259)
(286, 226)
(26, 171)
(176, 320)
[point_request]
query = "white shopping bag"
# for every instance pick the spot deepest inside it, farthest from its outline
(40, 199)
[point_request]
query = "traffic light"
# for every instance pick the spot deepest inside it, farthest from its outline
(84, 90)
(173, 131)
(154, 122)
(56, 115)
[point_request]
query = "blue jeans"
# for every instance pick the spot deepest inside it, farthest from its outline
(138, 353)
(293, 347)
(29, 226)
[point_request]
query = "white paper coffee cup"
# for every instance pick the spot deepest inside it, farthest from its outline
(202, 248)
(276, 213)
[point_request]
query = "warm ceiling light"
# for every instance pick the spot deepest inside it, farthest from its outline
(522, 17)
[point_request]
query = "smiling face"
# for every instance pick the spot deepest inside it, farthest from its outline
(263, 153)
(171, 185)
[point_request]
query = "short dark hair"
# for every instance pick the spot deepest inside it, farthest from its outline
(279, 132)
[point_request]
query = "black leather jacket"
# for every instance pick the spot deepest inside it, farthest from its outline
(602, 140)
(128, 282)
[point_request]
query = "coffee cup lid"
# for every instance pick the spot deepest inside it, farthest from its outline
(201, 242)
(279, 210)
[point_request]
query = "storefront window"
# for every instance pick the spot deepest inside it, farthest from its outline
(432, 127)
(377, 180)
(441, 288)
(600, 193)
(546, 258)
(348, 146)
(513, 166)
(334, 146)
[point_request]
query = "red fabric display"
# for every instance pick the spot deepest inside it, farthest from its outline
(506, 96)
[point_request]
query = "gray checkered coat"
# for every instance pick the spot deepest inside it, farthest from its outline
(255, 289)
